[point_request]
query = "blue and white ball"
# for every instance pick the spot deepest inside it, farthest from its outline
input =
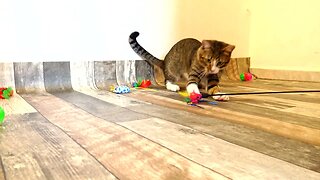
(121, 90)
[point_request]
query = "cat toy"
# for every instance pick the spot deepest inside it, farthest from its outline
(6, 93)
(2, 115)
(246, 77)
(120, 89)
(194, 99)
(142, 83)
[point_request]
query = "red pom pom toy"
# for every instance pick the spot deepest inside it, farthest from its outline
(246, 77)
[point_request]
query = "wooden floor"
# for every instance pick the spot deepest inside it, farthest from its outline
(153, 134)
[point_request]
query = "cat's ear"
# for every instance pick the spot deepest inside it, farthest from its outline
(206, 44)
(229, 48)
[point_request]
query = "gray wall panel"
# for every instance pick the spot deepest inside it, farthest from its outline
(7, 75)
(28, 77)
(57, 76)
(82, 75)
(105, 74)
(144, 71)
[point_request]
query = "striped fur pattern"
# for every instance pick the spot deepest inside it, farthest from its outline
(190, 62)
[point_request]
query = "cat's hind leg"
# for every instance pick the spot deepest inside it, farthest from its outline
(172, 87)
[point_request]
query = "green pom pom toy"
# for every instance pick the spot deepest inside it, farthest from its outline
(2, 115)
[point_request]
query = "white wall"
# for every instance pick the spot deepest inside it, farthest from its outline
(276, 34)
(57, 30)
(285, 35)
(54, 30)
(225, 20)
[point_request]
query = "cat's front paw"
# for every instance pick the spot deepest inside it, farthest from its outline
(193, 87)
(221, 97)
(172, 87)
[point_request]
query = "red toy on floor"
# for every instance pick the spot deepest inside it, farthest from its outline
(6, 93)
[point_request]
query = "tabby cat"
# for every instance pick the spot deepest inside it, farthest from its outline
(190, 62)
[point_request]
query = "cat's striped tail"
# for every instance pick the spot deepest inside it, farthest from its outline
(144, 54)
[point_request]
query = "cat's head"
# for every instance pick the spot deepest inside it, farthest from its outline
(214, 55)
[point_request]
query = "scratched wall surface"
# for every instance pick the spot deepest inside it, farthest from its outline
(31, 77)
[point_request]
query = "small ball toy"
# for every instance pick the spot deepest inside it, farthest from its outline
(246, 77)
(6, 93)
(2, 115)
(121, 89)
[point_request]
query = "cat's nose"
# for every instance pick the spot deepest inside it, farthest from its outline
(215, 70)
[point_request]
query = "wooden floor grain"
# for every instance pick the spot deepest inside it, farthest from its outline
(153, 134)
(2, 175)
(226, 158)
(16, 105)
(33, 148)
(126, 154)
(276, 126)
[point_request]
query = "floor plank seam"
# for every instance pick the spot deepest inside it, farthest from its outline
(148, 139)
(176, 152)
(165, 102)
(2, 168)
(209, 135)
(137, 133)
(200, 132)
(73, 139)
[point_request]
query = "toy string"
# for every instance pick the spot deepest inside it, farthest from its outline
(268, 92)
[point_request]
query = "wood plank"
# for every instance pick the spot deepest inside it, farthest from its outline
(110, 97)
(83, 74)
(293, 151)
(98, 107)
(282, 148)
(129, 72)
(290, 111)
(145, 71)
(28, 77)
(7, 75)
(57, 76)
(292, 106)
(287, 74)
(117, 147)
(2, 175)
(226, 158)
(16, 105)
(104, 74)
(271, 85)
(286, 110)
(33, 148)
(268, 85)
(305, 134)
